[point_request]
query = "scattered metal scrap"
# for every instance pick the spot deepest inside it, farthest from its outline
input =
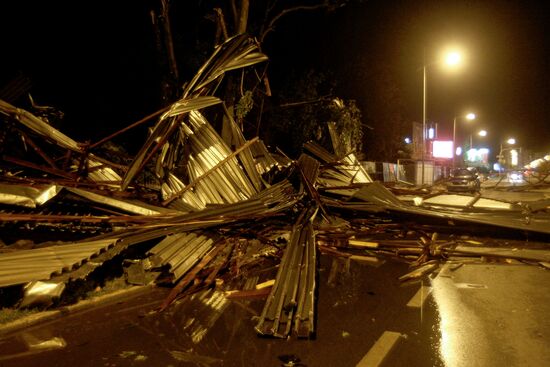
(196, 204)
(291, 301)
(23, 266)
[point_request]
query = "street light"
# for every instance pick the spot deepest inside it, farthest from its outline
(469, 116)
(451, 59)
(480, 133)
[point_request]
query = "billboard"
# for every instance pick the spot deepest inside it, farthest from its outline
(442, 149)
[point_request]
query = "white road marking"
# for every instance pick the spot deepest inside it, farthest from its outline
(383, 346)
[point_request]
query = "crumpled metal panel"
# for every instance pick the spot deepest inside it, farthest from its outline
(292, 298)
(40, 264)
(264, 161)
(467, 201)
(39, 292)
(181, 122)
(134, 207)
(103, 174)
(376, 193)
(236, 52)
(214, 171)
(27, 196)
(180, 252)
(187, 105)
(338, 172)
(40, 127)
(310, 168)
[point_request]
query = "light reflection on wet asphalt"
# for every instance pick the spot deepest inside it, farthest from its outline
(206, 330)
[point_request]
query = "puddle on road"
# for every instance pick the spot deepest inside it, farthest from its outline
(358, 304)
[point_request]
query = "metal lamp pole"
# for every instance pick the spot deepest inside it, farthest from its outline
(423, 119)
(454, 142)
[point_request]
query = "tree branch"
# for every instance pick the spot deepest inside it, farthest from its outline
(284, 12)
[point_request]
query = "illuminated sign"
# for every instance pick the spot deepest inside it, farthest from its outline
(442, 149)
(514, 157)
(478, 155)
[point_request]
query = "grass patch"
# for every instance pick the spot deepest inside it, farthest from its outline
(109, 287)
(11, 314)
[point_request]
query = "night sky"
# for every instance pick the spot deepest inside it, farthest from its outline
(95, 60)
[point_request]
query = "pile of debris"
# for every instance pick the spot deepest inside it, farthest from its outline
(193, 209)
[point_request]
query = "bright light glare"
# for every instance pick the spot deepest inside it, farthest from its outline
(453, 58)
(514, 157)
(443, 149)
(407, 140)
(477, 155)
(458, 150)
(511, 141)
(516, 177)
(482, 133)
(471, 116)
(431, 133)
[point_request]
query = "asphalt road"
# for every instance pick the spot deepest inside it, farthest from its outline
(475, 315)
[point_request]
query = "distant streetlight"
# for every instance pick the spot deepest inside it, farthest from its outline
(451, 59)
(469, 116)
(480, 133)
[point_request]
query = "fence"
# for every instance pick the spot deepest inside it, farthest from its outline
(406, 171)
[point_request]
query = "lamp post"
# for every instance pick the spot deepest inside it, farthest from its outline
(469, 116)
(423, 118)
(451, 59)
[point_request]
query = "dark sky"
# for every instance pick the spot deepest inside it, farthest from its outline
(505, 79)
(93, 59)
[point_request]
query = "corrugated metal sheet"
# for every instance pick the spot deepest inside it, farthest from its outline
(98, 172)
(40, 264)
(183, 125)
(27, 196)
(338, 171)
(537, 222)
(180, 252)
(135, 207)
(292, 298)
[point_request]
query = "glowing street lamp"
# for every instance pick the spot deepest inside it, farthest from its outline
(480, 133)
(452, 59)
(469, 116)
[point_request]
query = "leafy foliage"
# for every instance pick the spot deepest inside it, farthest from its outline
(305, 107)
(244, 105)
(381, 101)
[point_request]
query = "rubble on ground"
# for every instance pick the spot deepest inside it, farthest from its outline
(194, 210)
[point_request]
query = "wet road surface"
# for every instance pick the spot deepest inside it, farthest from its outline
(476, 315)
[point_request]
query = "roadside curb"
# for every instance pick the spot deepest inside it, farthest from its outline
(40, 317)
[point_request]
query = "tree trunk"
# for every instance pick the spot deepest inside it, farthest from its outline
(166, 55)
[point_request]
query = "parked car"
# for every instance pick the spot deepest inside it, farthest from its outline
(464, 180)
